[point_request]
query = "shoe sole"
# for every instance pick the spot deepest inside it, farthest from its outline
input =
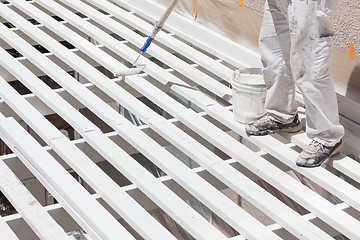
(336, 151)
(267, 132)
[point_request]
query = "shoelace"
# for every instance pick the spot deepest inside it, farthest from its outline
(266, 120)
(318, 146)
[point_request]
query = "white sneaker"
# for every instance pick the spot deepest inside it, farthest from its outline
(316, 154)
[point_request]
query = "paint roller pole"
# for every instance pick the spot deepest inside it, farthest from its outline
(157, 27)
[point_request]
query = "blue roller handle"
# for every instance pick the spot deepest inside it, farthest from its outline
(158, 25)
(147, 44)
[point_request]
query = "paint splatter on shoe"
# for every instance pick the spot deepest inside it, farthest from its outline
(266, 125)
(316, 154)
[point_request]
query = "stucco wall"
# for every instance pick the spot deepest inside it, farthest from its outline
(346, 23)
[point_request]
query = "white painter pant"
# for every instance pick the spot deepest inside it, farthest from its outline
(295, 46)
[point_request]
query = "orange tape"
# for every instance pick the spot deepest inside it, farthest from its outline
(241, 3)
(195, 10)
(351, 50)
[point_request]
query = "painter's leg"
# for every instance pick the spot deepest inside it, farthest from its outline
(274, 45)
(310, 58)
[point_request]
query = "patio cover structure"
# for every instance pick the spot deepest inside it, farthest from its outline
(176, 115)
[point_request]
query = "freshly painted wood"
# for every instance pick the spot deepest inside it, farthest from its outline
(136, 39)
(110, 54)
(244, 156)
(124, 205)
(239, 219)
(167, 39)
(33, 213)
(182, 213)
(88, 212)
(6, 232)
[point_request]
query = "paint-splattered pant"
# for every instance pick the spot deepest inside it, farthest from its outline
(295, 45)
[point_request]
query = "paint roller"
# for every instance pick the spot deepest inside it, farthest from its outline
(129, 71)
(157, 27)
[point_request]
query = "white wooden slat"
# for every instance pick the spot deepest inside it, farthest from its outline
(81, 94)
(8, 77)
(31, 41)
(275, 227)
(77, 201)
(6, 232)
(89, 48)
(154, 70)
(168, 130)
(200, 191)
(63, 31)
(206, 102)
(39, 124)
(232, 148)
(164, 56)
(219, 204)
(238, 238)
(344, 206)
(193, 222)
(97, 179)
(124, 93)
(24, 232)
(8, 4)
(31, 210)
(221, 213)
(310, 217)
(128, 54)
(141, 172)
(85, 126)
(45, 110)
(195, 33)
(23, 173)
(347, 166)
(172, 110)
(258, 197)
(169, 202)
(134, 192)
(169, 41)
(123, 204)
(343, 166)
(2, 116)
(109, 62)
(325, 179)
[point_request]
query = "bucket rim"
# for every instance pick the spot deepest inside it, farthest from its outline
(254, 75)
(252, 70)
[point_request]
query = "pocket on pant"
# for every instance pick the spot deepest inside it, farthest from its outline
(323, 58)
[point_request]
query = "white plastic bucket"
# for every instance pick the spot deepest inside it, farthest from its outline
(249, 93)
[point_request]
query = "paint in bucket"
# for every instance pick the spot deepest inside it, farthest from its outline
(249, 93)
